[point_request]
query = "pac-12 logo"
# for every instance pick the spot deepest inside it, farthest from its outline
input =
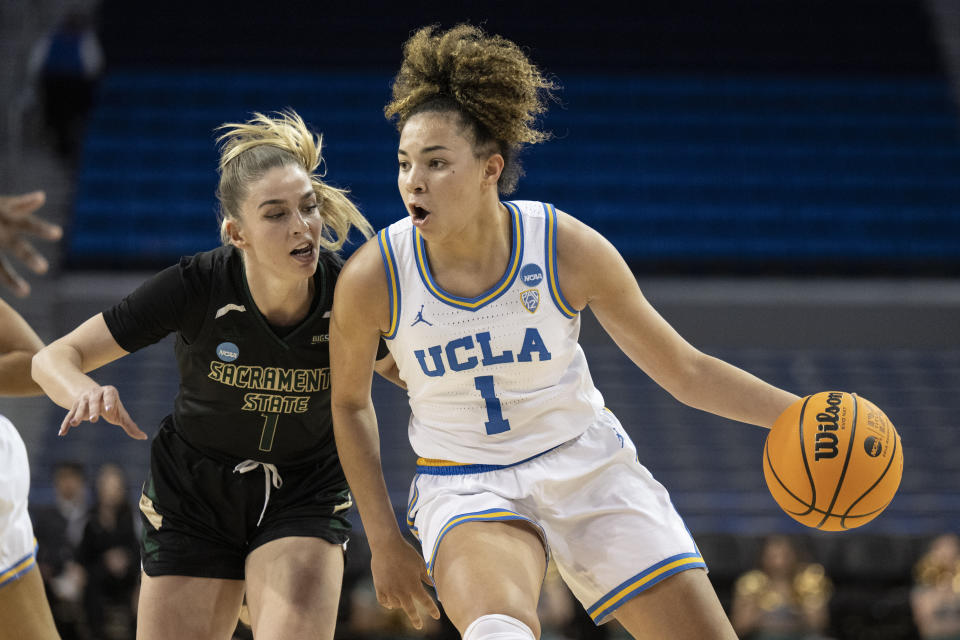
(227, 351)
(530, 299)
(531, 275)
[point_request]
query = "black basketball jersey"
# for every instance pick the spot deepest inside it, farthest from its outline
(245, 391)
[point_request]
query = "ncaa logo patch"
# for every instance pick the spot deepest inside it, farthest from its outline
(227, 351)
(530, 299)
(531, 275)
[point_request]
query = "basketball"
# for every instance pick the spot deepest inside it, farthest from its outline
(833, 461)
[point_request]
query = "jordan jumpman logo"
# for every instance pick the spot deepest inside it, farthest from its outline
(420, 318)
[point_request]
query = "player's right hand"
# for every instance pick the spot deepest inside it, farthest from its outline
(97, 402)
(399, 574)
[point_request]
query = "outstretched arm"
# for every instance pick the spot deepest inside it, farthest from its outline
(593, 273)
(16, 222)
(359, 314)
(61, 368)
(18, 343)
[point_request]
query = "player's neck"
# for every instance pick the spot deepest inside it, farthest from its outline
(282, 302)
(480, 250)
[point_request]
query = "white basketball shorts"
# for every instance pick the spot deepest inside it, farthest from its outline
(18, 547)
(609, 525)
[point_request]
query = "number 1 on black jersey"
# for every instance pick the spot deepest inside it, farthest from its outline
(269, 429)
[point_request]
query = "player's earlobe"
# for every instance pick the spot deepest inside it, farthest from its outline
(493, 168)
(235, 233)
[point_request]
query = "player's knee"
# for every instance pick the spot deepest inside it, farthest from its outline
(497, 626)
(507, 604)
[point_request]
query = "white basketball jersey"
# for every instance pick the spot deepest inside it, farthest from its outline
(494, 379)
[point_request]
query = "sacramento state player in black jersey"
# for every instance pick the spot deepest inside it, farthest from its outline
(245, 492)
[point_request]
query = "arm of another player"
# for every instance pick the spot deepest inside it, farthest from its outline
(360, 311)
(593, 273)
(16, 221)
(18, 344)
(61, 368)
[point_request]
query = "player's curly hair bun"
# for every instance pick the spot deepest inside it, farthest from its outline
(488, 79)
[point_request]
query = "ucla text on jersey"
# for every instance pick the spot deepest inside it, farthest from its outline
(455, 361)
(495, 378)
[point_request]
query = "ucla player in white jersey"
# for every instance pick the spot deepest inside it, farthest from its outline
(479, 302)
(24, 611)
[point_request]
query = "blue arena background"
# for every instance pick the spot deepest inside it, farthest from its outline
(699, 138)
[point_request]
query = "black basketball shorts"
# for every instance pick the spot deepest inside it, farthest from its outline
(200, 518)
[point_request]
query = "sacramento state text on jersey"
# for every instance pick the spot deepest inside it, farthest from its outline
(272, 379)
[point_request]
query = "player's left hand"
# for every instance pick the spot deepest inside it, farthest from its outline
(16, 221)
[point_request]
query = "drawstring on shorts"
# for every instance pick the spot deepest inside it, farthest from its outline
(270, 476)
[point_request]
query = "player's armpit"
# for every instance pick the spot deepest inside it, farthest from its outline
(387, 368)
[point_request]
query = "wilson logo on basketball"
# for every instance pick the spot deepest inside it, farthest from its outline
(861, 461)
(827, 425)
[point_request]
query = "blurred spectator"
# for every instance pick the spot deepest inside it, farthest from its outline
(109, 554)
(59, 528)
(784, 599)
(935, 599)
(69, 62)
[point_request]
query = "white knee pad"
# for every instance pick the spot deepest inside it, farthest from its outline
(497, 627)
